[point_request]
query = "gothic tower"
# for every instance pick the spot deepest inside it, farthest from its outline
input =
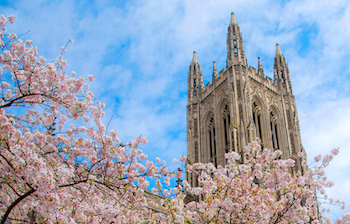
(239, 105)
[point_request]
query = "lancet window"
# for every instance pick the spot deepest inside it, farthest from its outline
(212, 140)
(196, 152)
(226, 123)
(274, 130)
(257, 120)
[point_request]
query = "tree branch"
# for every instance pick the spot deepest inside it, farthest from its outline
(9, 209)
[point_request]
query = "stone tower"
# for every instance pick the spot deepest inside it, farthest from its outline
(239, 105)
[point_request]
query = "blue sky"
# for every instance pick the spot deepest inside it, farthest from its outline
(139, 52)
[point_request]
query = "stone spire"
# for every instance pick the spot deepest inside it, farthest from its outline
(233, 19)
(215, 71)
(194, 59)
(235, 48)
(281, 72)
(278, 50)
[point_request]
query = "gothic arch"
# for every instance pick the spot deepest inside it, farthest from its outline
(258, 116)
(225, 124)
(257, 98)
(222, 102)
(209, 138)
(275, 126)
(207, 115)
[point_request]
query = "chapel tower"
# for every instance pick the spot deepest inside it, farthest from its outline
(238, 105)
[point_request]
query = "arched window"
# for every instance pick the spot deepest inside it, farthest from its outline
(226, 123)
(196, 152)
(274, 130)
(257, 120)
(212, 141)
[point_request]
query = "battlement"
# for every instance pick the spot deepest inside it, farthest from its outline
(267, 81)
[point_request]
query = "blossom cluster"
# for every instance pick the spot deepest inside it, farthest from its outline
(258, 187)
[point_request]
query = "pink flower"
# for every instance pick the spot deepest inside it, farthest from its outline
(63, 49)
(42, 60)
(317, 158)
(335, 151)
(91, 78)
(11, 19)
(143, 157)
(28, 43)
(182, 158)
(290, 162)
(12, 36)
(143, 140)
(3, 19)
(5, 84)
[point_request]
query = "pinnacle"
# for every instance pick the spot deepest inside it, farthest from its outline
(259, 65)
(233, 19)
(215, 72)
(278, 50)
(194, 60)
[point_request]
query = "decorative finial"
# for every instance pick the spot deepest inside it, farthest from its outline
(233, 19)
(278, 50)
(194, 60)
(260, 69)
(215, 71)
(259, 64)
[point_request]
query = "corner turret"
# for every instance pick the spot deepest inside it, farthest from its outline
(281, 72)
(235, 48)
(195, 81)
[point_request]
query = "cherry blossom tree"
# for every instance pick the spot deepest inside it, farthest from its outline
(259, 187)
(58, 164)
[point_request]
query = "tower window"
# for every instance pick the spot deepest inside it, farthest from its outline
(226, 123)
(212, 141)
(274, 130)
(196, 152)
(195, 132)
(257, 120)
(292, 142)
(233, 141)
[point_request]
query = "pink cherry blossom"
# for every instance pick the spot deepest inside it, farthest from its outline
(182, 158)
(317, 158)
(91, 78)
(11, 19)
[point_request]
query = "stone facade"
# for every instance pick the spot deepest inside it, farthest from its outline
(239, 105)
